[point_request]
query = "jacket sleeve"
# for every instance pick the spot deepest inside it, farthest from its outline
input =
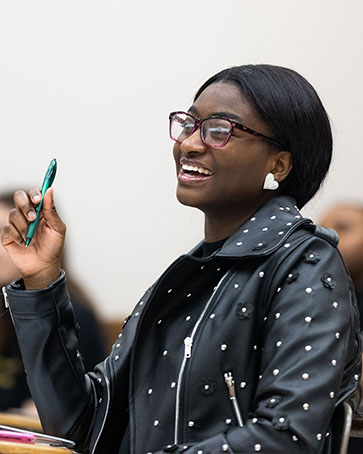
(47, 334)
(310, 358)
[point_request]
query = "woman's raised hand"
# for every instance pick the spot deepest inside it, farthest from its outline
(39, 263)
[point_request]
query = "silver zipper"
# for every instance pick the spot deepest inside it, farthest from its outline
(6, 301)
(188, 343)
(228, 378)
(106, 412)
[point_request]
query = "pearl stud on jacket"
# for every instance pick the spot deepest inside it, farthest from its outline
(270, 182)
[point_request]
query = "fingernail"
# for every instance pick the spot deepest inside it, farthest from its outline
(36, 198)
(31, 215)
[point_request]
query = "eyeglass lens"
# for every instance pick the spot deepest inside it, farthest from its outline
(214, 131)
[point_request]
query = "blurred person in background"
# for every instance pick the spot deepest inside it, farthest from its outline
(347, 220)
(14, 391)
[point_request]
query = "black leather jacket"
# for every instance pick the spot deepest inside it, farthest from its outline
(248, 350)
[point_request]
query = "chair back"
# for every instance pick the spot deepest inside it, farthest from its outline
(341, 427)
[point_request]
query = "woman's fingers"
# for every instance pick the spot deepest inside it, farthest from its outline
(17, 219)
(24, 213)
(11, 235)
(35, 195)
(24, 204)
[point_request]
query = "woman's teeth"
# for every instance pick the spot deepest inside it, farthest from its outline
(189, 168)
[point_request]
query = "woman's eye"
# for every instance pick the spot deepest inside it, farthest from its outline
(187, 126)
(218, 131)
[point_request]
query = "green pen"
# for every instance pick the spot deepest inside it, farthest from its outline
(47, 183)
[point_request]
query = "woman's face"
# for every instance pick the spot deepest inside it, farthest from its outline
(234, 174)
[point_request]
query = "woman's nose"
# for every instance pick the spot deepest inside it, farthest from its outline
(193, 143)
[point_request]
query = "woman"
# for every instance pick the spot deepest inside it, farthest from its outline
(247, 343)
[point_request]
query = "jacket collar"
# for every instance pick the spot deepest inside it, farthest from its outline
(267, 229)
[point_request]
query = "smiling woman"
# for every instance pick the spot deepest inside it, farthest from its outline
(247, 343)
(236, 167)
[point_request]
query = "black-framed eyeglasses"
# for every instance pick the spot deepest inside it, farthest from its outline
(215, 131)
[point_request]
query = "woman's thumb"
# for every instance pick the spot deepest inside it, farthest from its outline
(50, 213)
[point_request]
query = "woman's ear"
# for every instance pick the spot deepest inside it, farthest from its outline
(282, 165)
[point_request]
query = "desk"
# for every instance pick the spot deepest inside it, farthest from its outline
(22, 422)
(7, 447)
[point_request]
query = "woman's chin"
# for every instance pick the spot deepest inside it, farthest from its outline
(188, 199)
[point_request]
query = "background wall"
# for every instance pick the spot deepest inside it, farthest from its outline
(92, 83)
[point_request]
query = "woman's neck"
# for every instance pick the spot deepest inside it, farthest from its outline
(222, 222)
(219, 227)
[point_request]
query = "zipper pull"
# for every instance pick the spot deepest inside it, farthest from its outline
(228, 378)
(230, 384)
(6, 301)
(188, 342)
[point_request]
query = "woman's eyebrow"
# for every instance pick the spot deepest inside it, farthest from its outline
(194, 111)
(229, 115)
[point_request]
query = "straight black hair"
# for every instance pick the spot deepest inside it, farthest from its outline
(290, 106)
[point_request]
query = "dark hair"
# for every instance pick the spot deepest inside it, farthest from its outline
(6, 198)
(290, 106)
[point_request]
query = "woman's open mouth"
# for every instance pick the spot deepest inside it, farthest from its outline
(189, 173)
